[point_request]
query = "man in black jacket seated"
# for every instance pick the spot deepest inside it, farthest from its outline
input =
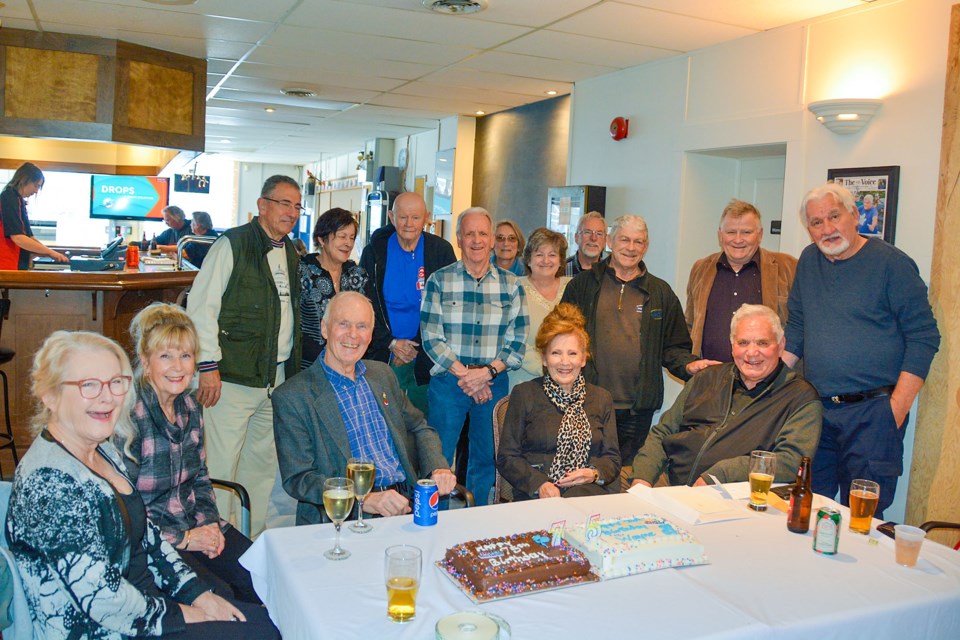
(411, 256)
(728, 410)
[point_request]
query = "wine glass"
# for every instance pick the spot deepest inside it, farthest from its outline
(362, 471)
(338, 501)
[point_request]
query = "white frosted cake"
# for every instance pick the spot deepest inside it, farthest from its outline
(625, 546)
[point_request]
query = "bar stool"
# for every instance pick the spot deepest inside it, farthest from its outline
(6, 355)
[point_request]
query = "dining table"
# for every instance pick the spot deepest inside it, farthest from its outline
(761, 580)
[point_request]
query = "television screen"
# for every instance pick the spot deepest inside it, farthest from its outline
(128, 197)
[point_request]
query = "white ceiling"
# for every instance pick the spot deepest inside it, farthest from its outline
(390, 68)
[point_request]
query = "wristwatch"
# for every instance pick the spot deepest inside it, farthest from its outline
(493, 371)
(597, 480)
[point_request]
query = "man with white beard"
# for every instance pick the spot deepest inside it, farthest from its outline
(861, 321)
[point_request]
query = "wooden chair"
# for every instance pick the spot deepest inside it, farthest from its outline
(502, 491)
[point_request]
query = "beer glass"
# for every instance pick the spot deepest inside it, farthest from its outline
(864, 495)
(337, 501)
(362, 472)
(402, 576)
(763, 467)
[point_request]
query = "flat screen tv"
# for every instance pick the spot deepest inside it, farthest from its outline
(128, 197)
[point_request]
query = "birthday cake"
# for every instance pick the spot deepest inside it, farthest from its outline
(625, 546)
(511, 565)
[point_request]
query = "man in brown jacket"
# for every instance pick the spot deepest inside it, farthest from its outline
(742, 273)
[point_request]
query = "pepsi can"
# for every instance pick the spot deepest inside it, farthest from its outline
(426, 498)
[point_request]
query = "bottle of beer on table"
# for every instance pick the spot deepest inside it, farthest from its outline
(154, 249)
(801, 499)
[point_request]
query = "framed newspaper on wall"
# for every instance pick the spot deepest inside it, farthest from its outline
(874, 192)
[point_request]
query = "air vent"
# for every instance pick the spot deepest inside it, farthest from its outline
(299, 92)
(456, 7)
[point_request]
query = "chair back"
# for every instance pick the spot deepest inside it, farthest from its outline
(21, 624)
(502, 491)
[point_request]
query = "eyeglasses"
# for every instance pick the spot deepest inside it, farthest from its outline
(593, 234)
(91, 388)
(286, 204)
(506, 238)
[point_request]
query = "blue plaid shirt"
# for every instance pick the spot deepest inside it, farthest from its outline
(473, 322)
(366, 429)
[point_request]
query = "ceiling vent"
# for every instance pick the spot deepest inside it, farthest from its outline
(456, 7)
(299, 92)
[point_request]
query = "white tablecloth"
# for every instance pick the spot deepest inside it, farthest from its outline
(763, 582)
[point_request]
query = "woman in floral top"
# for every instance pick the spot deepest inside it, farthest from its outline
(325, 274)
(168, 462)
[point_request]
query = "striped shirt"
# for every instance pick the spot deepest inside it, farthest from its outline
(367, 431)
(473, 321)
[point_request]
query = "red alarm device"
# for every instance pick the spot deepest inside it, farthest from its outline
(619, 128)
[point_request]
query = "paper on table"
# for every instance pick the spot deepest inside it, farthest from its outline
(696, 505)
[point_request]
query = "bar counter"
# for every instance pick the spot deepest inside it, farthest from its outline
(44, 301)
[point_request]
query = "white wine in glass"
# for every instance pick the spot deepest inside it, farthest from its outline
(362, 472)
(338, 501)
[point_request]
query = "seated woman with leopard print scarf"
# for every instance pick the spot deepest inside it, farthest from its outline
(560, 434)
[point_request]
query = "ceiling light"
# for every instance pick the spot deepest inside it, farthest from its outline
(552, 92)
(298, 92)
(844, 116)
(269, 109)
(481, 113)
(455, 7)
(224, 141)
(171, 2)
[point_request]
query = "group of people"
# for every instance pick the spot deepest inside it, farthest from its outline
(307, 361)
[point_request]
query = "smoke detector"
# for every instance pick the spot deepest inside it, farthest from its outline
(298, 92)
(455, 7)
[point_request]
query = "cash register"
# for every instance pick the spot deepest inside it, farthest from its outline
(111, 258)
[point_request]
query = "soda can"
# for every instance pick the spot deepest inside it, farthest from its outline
(826, 536)
(426, 498)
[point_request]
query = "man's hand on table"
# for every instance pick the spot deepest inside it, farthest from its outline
(386, 503)
(642, 482)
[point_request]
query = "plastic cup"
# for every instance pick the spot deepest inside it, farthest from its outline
(908, 540)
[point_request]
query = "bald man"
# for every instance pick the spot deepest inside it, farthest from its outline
(411, 255)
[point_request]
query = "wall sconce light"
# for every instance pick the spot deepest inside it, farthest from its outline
(845, 116)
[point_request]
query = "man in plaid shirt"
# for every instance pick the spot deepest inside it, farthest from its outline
(474, 326)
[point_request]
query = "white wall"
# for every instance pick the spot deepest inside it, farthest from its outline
(754, 91)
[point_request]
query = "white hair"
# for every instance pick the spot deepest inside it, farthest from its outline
(754, 310)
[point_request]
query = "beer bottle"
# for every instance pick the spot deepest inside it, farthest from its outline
(153, 245)
(801, 499)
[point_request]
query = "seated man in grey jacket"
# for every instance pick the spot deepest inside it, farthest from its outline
(728, 410)
(342, 407)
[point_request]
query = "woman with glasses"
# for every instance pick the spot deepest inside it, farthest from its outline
(168, 464)
(508, 245)
(92, 564)
(543, 287)
(326, 273)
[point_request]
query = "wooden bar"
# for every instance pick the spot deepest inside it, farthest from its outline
(45, 301)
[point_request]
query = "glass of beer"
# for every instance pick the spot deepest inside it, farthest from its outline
(402, 576)
(362, 472)
(763, 467)
(864, 495)
(337, 501)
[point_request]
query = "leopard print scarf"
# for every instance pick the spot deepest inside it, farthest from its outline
(573, 438)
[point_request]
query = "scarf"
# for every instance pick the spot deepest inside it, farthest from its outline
(573, 437)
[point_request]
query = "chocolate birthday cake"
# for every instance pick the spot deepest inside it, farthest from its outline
(510, 565)
(625, 546)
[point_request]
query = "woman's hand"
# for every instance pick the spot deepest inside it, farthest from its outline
(192, 615)
(578, 476)
(217, 608)
(548, 490)
(207, 540)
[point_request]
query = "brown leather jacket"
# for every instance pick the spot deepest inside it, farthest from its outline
(776, 278)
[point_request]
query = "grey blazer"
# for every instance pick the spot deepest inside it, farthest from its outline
(312, 442)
